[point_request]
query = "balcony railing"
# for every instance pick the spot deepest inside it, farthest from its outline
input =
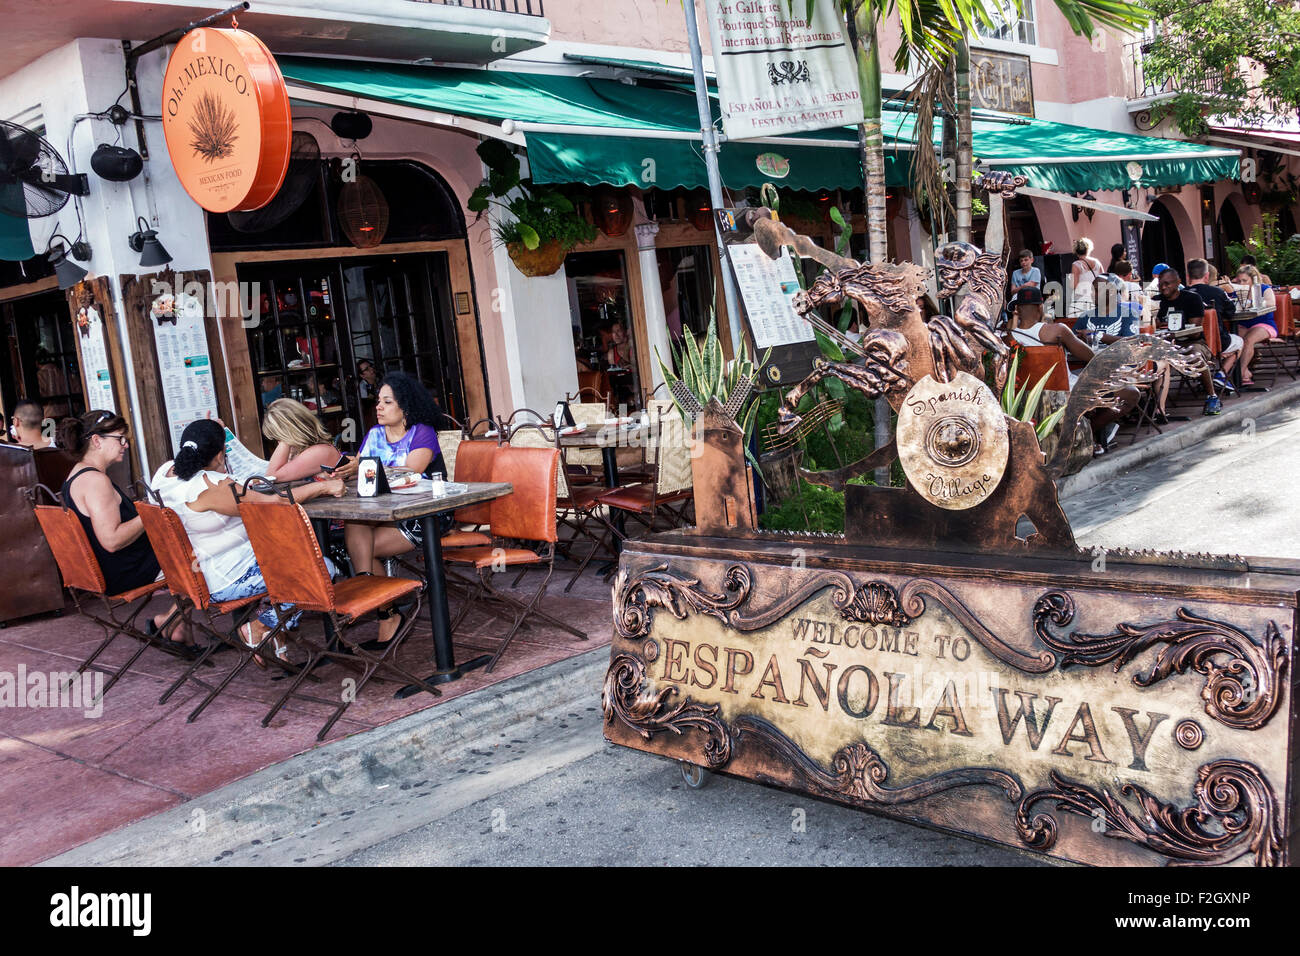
(529, 8)
(1204, 84)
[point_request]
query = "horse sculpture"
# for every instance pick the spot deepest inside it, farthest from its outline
(900, 348)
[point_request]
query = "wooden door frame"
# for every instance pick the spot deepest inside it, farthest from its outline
(245, 420)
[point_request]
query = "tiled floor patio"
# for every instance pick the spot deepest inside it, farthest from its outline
(66, 777)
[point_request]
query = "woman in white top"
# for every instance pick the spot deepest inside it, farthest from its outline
(1084, 274)
(198, 487)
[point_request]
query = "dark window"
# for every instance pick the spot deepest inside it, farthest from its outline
(421, 206)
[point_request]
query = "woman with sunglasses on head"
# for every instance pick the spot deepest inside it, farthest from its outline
(114, 529)
(303, 446)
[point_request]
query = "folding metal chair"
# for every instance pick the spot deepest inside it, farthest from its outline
(187, 584)
(84, 578)
(295, 575)
(524, 517)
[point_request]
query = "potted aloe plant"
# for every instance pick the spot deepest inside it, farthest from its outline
(542, 225)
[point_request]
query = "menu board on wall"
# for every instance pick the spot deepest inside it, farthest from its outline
(768, 285)
(184, 365)
(95, 373)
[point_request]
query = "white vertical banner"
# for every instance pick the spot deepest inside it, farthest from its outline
(779, 73)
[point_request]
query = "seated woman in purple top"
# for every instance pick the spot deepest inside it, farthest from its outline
(407, 436)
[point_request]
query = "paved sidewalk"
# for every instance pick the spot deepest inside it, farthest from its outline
(66, 777)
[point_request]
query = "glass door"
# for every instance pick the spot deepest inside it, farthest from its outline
(399, 318)
(602, 326)
(44, 353)
(295, 347)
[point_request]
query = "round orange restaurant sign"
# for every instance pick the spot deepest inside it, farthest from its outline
(226, 118)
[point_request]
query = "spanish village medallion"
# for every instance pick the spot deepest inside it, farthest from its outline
(952, 441)
(226, 119)
(938, 662)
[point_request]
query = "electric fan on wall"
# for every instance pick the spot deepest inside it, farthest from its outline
(34, 179)
(301, 178)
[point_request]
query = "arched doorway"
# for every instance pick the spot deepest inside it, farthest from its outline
(1160, 240)
(1230, 231)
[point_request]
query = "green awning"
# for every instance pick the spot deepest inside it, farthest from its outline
(1068, 158)
(592, 131)
(665, 150)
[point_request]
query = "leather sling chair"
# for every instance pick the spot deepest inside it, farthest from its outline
(524, 517)
(187, 584)
(577, 507)
(294, 570)
(84, 579)
(671, 491)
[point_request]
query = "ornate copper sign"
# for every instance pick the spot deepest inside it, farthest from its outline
(1071, 719)
(952, 441)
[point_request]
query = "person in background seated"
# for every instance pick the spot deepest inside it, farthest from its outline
(1249, 260)
(1027, 275)
(1201, 280)
(198, 487)
(272, 389)
(1258, 329)
(303, 446)
(1028, 328)
(113, 527)
(1174, 298)
(27, 422)
(406, 436)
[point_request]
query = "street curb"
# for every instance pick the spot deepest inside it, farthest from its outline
(1100, 471)
(260, 806)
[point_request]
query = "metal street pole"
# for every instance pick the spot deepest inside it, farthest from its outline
(716, 199)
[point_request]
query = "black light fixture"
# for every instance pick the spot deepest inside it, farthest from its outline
(351, 124)
(1088, 210)
(117, 164)
(67, 271)
(145, 241)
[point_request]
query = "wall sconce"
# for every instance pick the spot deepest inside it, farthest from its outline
(145, 241)
(67, 271)
(1087, 210)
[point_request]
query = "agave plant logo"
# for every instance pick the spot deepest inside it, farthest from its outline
(214, 127)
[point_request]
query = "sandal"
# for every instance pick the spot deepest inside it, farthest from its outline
(278, 645)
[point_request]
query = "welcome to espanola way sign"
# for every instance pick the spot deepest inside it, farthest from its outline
(226, 119)
(779, 73)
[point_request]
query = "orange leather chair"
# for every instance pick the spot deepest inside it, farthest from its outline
(1039, 360)
(83, 577)
(294, 570)
(526, 515)
(171, 545)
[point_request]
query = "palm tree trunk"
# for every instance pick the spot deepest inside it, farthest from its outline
(871, 141)
(964, 148)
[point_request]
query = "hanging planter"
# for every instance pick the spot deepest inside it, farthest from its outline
(541, 225)
(545, 260)
(363, 212)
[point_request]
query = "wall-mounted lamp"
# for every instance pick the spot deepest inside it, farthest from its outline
(145, 241)
(67, 271)
(1088, 210)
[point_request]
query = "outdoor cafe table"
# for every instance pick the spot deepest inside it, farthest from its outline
(390, 508)
(609, 439)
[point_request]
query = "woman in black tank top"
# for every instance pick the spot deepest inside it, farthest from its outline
(113, 528)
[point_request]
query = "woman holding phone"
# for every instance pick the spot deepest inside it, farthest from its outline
(303, 446)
